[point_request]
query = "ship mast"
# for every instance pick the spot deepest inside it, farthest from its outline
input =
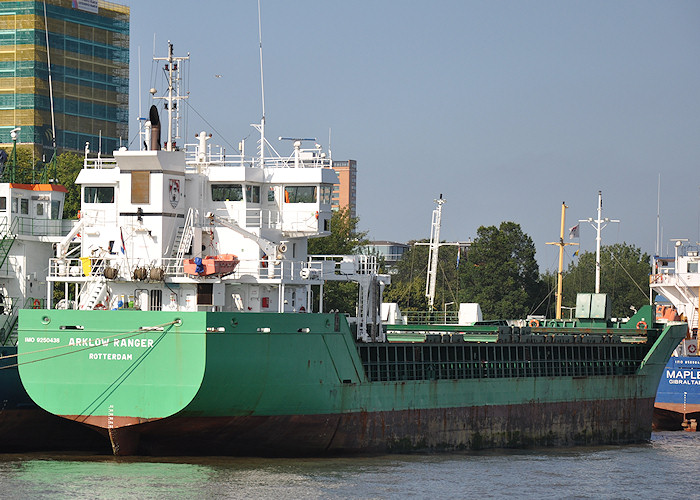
(172, 69)
(561, 244)
(599, 225)
(261, 127)
(434, 248)
(433, 253)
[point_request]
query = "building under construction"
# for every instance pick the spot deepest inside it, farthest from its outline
(77, 88)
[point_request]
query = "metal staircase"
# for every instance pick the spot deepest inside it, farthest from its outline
(183, 241)
(10, 315)
(94, 291)
(8, 321)
(8, 238)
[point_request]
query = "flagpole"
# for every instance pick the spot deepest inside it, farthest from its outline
(121, 234)
(561, 244)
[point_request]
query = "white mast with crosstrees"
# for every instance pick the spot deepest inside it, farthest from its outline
(599, 225)
(172, 68)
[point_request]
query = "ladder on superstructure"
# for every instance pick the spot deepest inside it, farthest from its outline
(183, 241)
(94, 289)
(9, 235)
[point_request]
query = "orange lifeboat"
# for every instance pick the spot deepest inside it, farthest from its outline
(667, 313)
(211, 265)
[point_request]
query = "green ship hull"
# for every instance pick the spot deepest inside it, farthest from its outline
(298, 384)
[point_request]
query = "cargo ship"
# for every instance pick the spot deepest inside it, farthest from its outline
(30, 224)
(677, 280)
(194, 323)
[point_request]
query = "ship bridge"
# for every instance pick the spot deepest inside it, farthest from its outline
(677, 278)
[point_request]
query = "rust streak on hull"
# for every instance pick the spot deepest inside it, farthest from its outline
(506, 426)
(34, 429)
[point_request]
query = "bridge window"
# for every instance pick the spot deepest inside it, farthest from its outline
(55, 209)
(252, 194)
(300, 194)
(228, 192)
(98, 194)
(326, 190)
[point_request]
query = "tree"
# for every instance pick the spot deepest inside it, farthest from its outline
(408, 282)
(28, 169)
(501, 273)
(624, 276)
(68, 166)
(344, 239)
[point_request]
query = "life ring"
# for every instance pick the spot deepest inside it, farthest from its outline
(534, 323)
(641, 325)
(99, 306)
(692, 348)
(263, 261)
(36, 304)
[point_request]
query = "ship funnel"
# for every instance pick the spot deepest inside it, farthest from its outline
(155, 128)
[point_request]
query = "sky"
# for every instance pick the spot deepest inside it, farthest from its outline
(506, 108)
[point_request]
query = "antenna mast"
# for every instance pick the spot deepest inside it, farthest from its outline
(261, 128)
(658, 216)
(172, 69)
(140, 117)
(599, 225)
(48, 63)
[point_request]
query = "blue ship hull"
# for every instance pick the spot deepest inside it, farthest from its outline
(678, 395)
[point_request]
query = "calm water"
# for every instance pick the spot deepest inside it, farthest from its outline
(668, 467)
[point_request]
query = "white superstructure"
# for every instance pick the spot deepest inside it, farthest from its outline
(678, 279)
(30, 226)
(145, 214)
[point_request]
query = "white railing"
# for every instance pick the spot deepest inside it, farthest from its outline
(298, 221)
(343, 265)
(316, 269)
(313, 162)
(216, 156)
(29, 226)
(98, 217)
(263, 269)
(99, 163)
(687, 280)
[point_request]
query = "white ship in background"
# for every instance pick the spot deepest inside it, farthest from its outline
(677, 279)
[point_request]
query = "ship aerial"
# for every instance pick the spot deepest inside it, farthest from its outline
(193, 323)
